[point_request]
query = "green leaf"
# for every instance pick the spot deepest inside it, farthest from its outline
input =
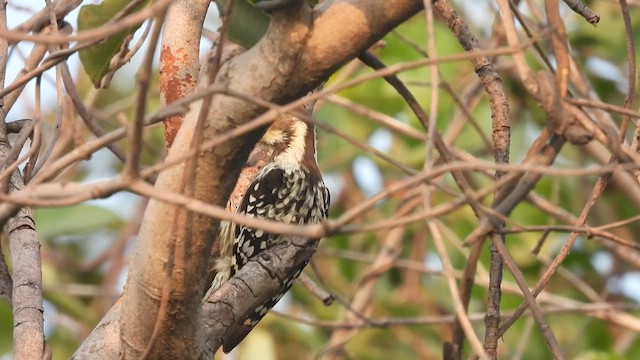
(6, 327)
(74, 220)
(96, 59)
(248, 23)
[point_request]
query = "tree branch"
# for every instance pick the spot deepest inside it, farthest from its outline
(179, 56)
(254, 284)
(24, 246)
(299, 50)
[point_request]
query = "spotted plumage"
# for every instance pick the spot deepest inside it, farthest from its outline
(292, 196)
(289, 196)
(288, 189)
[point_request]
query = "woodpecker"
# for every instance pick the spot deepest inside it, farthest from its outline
(288, 187)
(222, 250)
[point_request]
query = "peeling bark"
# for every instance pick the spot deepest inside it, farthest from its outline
(180, 57)
(300, 50)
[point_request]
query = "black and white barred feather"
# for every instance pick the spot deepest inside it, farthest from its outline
(292, 196)
(288, 189)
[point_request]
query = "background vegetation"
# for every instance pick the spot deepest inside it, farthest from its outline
(391, 264)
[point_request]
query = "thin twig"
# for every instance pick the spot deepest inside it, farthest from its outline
(143, 77)
(584, 11)
(84, 112)
(530, 299)
(327, 298)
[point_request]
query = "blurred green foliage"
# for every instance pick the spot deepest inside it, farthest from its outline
(74, 236)
(96, 59)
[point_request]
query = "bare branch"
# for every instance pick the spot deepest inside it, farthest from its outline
(284, 75)
(24, 247)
